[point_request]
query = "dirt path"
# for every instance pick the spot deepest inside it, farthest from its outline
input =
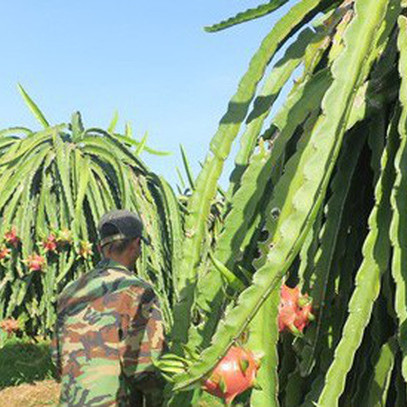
(44, 393)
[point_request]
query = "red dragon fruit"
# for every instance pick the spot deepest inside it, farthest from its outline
(4, 252)
(304, 315)
(50, 243)
(234, 374)
(35, 262)
(294, 311)
(11, 237)
(10, 326)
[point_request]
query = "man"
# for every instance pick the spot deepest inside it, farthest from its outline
(109, 326)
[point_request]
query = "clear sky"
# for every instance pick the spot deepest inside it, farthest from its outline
(149, 60)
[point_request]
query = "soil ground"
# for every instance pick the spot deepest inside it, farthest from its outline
(44, 393)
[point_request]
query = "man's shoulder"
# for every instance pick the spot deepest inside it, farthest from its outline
(124, 279)
(103, 279)
(114, 270)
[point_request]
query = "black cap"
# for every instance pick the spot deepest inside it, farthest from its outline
(120, 224)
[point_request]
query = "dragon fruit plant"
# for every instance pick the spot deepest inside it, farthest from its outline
(235, 373)
(294, 311)
(324, 175)
(55, 190)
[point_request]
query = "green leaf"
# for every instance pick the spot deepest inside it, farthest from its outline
(324, 264)
(27, 216)
(230, 277)
(128, 140)
(174, 223)
(229, 243)
(263, 103)
(33, 107)
(187, 168)
(82, 164)
(77, 126)
(142, 144)
(247, 15)
(377, 395)
(117, 147)
(29, 144)
(263, 337)
(106, 190)
(112, 126)
(63, 152)
(16, 178)
(14, 131)
(376, 253)
(398, 202)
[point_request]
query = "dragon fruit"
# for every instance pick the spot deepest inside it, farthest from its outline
(4, 253)
(11, 237)
(35, 262)
(234, 374)
(10, 326)
(294, 311)
(50, 243)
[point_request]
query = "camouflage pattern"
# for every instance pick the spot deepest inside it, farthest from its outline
(108, 330)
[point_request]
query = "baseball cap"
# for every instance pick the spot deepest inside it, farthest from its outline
(120, 224)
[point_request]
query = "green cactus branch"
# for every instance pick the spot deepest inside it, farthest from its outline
(376, 250)
(307, 187)
(247, 15)
(398, 235)
(206, 183)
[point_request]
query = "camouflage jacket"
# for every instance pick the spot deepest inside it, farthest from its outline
(109, 328)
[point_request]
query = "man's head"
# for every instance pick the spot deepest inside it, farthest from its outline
(121, 233)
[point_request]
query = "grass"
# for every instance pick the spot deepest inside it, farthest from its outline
(23, 361)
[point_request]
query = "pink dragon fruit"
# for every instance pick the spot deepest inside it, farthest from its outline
(4, 253)
(35, 262)
(295, 310)
(234, 374)
(11, 237)
(50, 243)
(10, 326)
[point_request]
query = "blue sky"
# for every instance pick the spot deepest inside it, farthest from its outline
(149, 60)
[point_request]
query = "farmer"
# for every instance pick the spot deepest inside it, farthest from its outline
(109, 326)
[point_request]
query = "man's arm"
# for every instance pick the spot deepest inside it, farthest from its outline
(55, 350)
(145, 342)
